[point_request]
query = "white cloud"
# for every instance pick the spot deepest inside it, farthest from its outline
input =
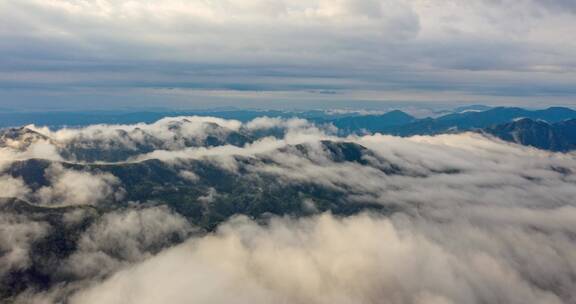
(41, 149)
(327, 260)
(16, 236)
(124, 237)
(476, 220)
(479, 221)
(72, 187)
(166, 133)
(12, 187)
(189, 175)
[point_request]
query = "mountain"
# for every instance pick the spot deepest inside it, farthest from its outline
(199, 190)
(465, 119)
(560, 136)
(549, 129)
(372, 123)
(503, 114)
(110, 197)
(20, 138)
(472, 120)
(119, 143)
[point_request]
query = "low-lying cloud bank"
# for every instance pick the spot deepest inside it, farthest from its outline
(361, 259)
(473, 220)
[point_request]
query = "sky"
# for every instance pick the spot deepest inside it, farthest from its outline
(109, 54)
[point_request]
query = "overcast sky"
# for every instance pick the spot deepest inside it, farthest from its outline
(286, 53)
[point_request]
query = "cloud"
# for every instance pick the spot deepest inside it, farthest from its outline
(17, 233)
(198, 53)
(480, 221)
(167, 138)
(275, 122)
(110, 143)
(124, 237)
(168, 133)
(41, 149)
(469, 219)
(109, 243)
(12, 187)
(72, 187)
(361, 259)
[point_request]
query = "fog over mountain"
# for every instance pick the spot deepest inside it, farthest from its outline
(275, 210)
(287, 151)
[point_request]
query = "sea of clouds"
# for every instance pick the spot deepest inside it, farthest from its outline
(476, 220)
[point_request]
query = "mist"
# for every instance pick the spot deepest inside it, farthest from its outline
(457, 218)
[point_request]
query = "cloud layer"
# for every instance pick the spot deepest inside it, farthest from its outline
(355, 260)
(255, 52)
(467, 219)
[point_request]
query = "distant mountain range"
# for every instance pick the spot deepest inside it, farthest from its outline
(544, 129)
(559, 136)
(550, 129)
(402, 124)
(373, 123)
